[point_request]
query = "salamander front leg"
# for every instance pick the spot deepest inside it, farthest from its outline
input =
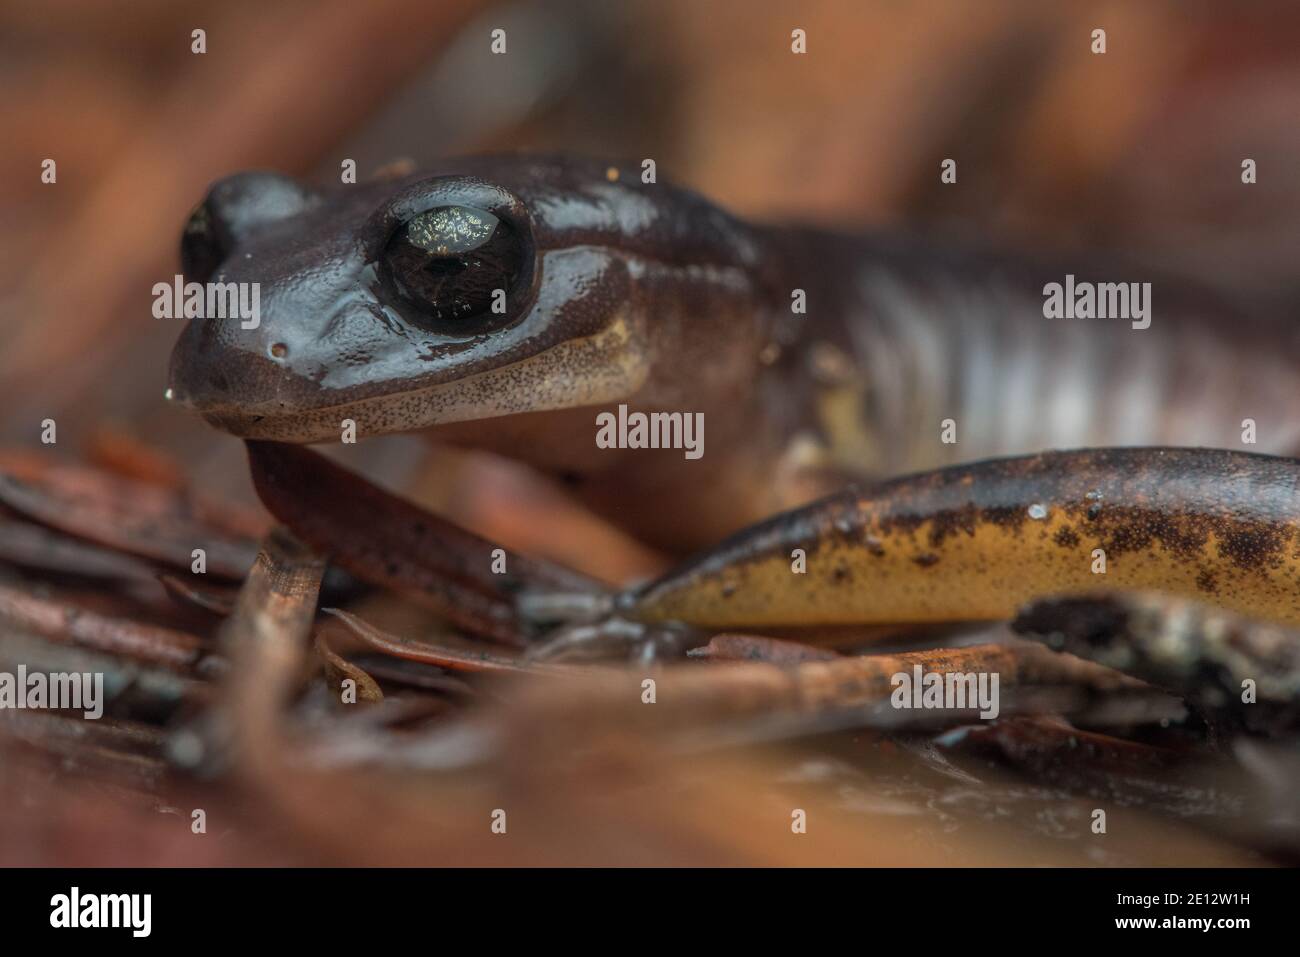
(382, 539)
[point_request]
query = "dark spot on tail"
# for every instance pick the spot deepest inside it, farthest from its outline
(1005, 516)
(1253, 545)
(952, 521)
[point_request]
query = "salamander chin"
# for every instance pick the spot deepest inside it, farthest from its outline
(589, 371)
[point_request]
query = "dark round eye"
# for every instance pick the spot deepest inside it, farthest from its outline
(455, 266)
(203, 245)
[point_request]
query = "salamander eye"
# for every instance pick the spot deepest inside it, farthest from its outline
(447, 264)
(203, 245)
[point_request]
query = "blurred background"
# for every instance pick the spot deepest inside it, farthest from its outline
(1137, 151)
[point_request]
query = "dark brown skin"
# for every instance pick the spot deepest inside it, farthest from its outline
(648, 294)
(622, 284)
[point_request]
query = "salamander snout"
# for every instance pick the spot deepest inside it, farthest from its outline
(259, 266)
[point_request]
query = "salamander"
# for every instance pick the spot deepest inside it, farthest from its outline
(375, 308)
(503, 302)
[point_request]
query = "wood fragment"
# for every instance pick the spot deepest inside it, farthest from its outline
(736, 647)
(43, 549)
(64, 622)
(338, 669)
(265, 640)
(465, 657)
(134, 517)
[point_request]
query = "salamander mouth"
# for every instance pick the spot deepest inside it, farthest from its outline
(604, 367)
(287, 427)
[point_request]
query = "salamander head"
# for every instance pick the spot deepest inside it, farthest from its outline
(497, 285)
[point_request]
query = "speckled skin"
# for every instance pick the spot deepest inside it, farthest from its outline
(976, 541)
(650, 295)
